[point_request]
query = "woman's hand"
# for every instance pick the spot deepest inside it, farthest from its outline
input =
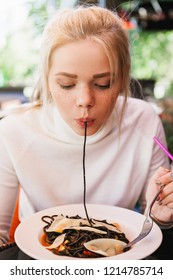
(162, 209)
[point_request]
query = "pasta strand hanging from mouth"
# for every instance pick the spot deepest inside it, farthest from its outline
(74, 236)
(84, 175)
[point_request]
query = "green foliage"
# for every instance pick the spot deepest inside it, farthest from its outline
(151, 56)
(168, 127)
(18, 59)
(19, 54)
(40, 11)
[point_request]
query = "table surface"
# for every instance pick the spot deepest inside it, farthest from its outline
(164, 252)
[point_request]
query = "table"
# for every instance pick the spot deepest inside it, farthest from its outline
(164, 252)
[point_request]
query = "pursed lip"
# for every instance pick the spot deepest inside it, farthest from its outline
(82, 122)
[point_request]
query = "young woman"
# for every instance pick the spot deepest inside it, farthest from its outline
(84, 81)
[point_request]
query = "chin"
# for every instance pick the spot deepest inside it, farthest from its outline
(90, 132)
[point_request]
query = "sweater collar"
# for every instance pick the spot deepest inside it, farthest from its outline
(64, 132)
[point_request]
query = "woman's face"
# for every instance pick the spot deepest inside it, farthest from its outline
(79, 82)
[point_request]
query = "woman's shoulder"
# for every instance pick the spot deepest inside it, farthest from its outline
(140, 114)
(21, 109)
(140, 108)
(139, 103)
(16, 116)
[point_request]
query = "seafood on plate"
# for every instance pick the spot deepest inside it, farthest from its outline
(82, 238)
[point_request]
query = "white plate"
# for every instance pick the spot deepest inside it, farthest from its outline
(28, 233)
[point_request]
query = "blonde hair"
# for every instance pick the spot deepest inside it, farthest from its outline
(71, 25)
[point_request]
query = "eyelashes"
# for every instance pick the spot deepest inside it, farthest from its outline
(102, 86)
(67, 87)
(98, 86)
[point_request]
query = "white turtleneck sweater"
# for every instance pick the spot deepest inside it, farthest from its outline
(39, 151)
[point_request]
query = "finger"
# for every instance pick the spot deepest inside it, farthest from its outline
(170, 205)
(168, 190)
(164, 179)
(161, 177)
(161, 171)
(163, 213)
(168, 200)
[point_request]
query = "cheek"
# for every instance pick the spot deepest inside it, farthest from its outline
(62, 98)
(109, 101)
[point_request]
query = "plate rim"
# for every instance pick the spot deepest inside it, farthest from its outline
(129, 255)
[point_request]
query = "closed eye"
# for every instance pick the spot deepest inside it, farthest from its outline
(102, 86)
(67, 87)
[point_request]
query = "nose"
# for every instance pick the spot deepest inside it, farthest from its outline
(85, 97)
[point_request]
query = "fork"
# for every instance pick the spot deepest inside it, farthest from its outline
(147, 224)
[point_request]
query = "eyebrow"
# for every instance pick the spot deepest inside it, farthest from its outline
(66, 74)
(102, 75)
(106, 74)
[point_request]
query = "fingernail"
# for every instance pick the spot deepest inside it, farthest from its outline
(160, 202)
(158, 183)
(162, 187)
(158, 198)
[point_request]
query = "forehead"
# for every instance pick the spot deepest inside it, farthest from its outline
(84, 54)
